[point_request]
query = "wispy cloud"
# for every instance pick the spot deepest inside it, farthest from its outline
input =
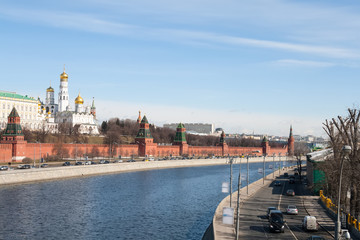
(89, 23)
(302, 63)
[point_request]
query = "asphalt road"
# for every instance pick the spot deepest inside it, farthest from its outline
(255, 225)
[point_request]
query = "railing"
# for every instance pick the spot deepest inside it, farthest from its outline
(352, 223)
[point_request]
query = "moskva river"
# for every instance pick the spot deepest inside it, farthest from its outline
(166, 204)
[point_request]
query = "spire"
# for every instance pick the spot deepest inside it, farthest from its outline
(93, 104)
(139, 118)
(291, 133)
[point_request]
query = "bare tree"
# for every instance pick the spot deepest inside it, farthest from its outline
(344, 131)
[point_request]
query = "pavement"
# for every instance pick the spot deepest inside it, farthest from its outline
(253, 222)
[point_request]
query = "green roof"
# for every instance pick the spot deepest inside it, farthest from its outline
(15, 95)
(181, 125)
(144, 120)
(265, 139)
(13, 129)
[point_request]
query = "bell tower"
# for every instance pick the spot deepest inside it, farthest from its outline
(63, 92)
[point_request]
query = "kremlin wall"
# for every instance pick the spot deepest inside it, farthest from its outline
(13, 147)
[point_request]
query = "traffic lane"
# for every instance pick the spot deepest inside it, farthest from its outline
(253, 221)
(294, 222)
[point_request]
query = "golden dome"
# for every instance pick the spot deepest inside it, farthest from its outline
(64, 76)
(79, 100)
(50, 89)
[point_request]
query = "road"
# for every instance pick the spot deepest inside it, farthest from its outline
(253, 221)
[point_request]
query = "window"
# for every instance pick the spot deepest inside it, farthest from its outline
(8, 106)
(4, 106)
(26, 108)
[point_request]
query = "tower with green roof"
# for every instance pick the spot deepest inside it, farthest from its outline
(180, 139)
(144, 139)
(223, 144)
(265, 146)
(13, 134)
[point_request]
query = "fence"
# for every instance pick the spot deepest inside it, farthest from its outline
(351, 222)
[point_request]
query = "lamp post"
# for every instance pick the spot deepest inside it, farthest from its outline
(346, 150)
(264, 169)
(274, 165)
(231, 162)
(238, 203)
(247, 173)
(279, 163)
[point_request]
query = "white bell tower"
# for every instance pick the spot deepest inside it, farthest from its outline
(63, 92)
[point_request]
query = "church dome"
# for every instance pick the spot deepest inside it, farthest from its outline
(64, 76)
(79, 100)
(50, 89)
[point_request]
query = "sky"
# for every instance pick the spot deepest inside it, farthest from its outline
(254, 66)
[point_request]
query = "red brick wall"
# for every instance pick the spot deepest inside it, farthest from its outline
(5, 153)
(167, 150)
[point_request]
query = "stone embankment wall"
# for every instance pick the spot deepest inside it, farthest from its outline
(51, 173)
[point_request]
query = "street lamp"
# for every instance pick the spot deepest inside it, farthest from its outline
(346, 150)
(274, 165)
(264, 169)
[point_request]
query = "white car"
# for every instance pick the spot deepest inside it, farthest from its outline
(292, 209)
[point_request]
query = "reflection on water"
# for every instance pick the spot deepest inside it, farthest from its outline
(159, 204)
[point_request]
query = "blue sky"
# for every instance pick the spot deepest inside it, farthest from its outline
(255, 66)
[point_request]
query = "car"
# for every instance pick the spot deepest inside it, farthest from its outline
(44, 165)
(309, 223)
(66, 164)
(26, 166)
(131, 160)
(269, 210)
(315, 238)
(292, 180)
(286, 175)
(79, 163)
(4, 168)
(290, 192)
(276, 221)
(292, 209)
(277, 183)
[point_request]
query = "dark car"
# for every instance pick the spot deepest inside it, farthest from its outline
(277, 183)
(44, 165)
(131, 160)
(66, 164)
(286, 175)
(290, 192)
(292, 180)
(269, 210)
(276, 221)
(79, 163)
(315, 238)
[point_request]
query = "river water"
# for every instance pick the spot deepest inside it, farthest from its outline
(166, 204)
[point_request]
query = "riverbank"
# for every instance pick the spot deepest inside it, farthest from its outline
(46, 174)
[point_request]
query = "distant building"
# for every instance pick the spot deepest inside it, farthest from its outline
(201, 128)
(26, 107)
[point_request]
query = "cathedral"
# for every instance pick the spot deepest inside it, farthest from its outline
(82, 117)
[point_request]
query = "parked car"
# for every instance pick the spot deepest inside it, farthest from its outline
(309, 223)
(26, 166)
(290, 192)
(286, 175)
(44, 165)
(315, 238)
(269, 210)
(131, 160)
(4, 168)
(79, 163)
(277, 183)
(66, 164)
(276, 221)
(292, 209)
(88, 163)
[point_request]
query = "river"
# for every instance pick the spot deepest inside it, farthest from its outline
(176, 203)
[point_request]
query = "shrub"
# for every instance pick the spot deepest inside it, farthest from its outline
(27, 160)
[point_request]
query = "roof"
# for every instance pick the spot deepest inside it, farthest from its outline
(14, 113)
(15, 95)
(180, 125)
(144, 120)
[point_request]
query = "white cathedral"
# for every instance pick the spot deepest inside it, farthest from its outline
(82, 117)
